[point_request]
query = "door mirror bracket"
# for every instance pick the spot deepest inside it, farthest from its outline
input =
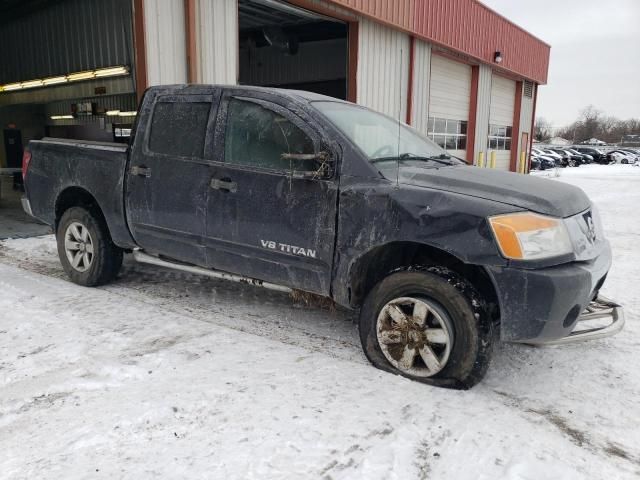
(322, 158)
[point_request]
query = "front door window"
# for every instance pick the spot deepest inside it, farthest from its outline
(257, 136)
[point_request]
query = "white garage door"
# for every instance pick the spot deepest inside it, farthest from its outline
(503, 94)
(449, 96)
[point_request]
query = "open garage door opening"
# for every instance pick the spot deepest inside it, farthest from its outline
(287, 47)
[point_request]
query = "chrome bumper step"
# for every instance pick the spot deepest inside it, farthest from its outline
(609, 312)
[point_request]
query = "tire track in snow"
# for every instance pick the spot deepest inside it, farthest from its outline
(603, 447)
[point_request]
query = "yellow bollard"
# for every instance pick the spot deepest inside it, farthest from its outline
(523, 165)
(493, 159)
(481, 159)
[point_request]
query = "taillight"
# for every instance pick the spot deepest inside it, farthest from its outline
(26, 159)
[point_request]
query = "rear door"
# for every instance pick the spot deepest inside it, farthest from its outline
(262, 220)
(168, 178)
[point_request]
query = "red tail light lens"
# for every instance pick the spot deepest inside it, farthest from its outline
(26, 159)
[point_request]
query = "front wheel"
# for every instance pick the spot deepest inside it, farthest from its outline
(87, 253)
(431, 326)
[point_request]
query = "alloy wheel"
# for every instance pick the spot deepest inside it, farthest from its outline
(415, 335)
(78, 246)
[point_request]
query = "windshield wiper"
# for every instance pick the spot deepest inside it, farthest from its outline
(442, 158)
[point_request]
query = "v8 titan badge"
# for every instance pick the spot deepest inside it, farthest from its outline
(285, 248)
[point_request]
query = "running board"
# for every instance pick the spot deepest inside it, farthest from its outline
(142, 257)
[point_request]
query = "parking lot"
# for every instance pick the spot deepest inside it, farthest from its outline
(178, 376)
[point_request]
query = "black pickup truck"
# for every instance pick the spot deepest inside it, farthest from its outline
(293, 190)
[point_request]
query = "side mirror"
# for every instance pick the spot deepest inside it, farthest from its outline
(322, 167)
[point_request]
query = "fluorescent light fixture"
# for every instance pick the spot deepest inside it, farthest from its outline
(128, 114)
(54, 80)
(32, 83)
(72, 77)
(61, 117)
(112, 71)
(112, 113)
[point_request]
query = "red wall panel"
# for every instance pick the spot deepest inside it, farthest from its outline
(466, 26)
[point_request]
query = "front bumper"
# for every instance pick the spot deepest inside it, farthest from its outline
(543, 306)
(603, 317)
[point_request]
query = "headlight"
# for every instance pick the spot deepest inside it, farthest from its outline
(529, 236)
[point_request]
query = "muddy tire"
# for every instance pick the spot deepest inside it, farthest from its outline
(87, 253)
(430, 325)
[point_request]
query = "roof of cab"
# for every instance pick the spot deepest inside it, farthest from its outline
(198, 88)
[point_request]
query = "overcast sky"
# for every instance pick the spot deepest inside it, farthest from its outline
(595, 54)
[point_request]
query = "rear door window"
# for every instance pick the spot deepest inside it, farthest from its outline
(179, 128)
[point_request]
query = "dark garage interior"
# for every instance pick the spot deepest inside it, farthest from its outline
(287, 47)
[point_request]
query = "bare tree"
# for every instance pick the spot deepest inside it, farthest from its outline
(542, 129)
(593, 123)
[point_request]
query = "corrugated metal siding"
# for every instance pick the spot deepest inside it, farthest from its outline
(66, 37)
(482, 111)
(421, 82)
(268, 66)
(503, 96)
(165, 42)
(82, 89)
(450, 89)
(383, 68)
(217, 41)
(466, 26)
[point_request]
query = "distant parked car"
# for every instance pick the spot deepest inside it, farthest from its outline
(536, 151)
(561, 160)
(598, 155)
(620, 156)
(633, 152)
(571, 159)
(556, 162)
(535, 163)
(542, 162)
(586, 158)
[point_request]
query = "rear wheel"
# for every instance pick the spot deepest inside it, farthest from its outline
(430, 325)
(87, 253)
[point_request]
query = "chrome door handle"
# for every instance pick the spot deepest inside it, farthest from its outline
(224, 184)
(140, 171)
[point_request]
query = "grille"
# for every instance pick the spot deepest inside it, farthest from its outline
(528, 89)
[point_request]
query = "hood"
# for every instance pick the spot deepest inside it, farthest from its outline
(539, 195)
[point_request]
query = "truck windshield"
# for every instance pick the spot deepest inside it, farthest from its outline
(382, 139)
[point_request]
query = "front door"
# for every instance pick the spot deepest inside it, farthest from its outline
(264, 220)
(168, 178)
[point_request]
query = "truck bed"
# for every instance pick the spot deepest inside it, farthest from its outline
(59, 165)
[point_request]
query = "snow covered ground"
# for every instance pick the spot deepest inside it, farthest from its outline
(169, 375)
